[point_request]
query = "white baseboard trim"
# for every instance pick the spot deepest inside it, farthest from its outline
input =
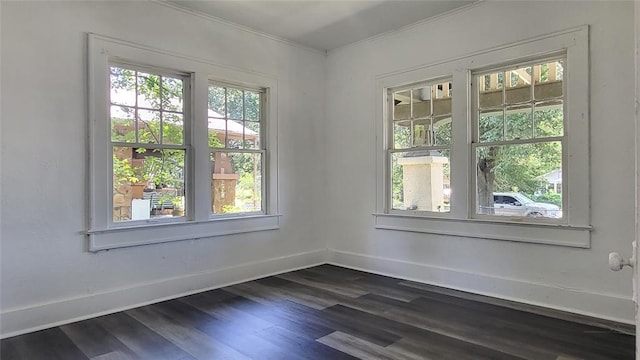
(42, 316)
(602, 306)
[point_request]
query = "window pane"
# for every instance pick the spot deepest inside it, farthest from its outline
(235, 132)
(549, 119)
(491, 125)
(227, 126)
(236, 182)
(251, 135)
(490, 86)
(519, 85)
(420, 181)
(549, 77)
(441, 91)
(519, 124)
(172, 129)
(402, 105)
(421, 102)
(122, 124)
(235, 104)
(217, 132)
(252, 105)
(123, 86)
(442, 106)
(402, 134)
(149, 91)
(147, 183)
(520, 172)
(559, 71)
(422, 133)
(149, 127)
(217, 107)
(172, 97)
(442, 130)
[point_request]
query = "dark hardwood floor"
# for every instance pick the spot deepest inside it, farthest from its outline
(326, 312)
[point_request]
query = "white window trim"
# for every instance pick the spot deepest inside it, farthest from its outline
(390, 148)
(575, 229)
(563, 139)
(262, 150)
(103, 232)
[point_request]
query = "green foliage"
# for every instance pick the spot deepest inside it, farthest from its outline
(163, 125)
(550, 197)
(247, 166)
(217, 100)
(230, 209)
(518, 167)
(442, 132)
(123, 79)
(401, 139)
(123, 172)
(165, 168)
(397, 193)
(214, 142)
(246, 190)
(234, 103)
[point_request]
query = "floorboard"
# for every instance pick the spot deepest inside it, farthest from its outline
(329, 312)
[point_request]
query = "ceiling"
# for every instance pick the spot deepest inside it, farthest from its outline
(323, 25)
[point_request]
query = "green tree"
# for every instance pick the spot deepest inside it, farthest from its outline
(243, 107)
(516, 167)
(148, 111)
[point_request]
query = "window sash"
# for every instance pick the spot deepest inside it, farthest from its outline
(185, 146)
(391, 121)
(262, 150)
(263, 183)
(475, 132)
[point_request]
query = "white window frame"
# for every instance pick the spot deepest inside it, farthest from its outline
(103, 232)
(186, 145)
(475, 143)
(574, 229)
(391, 149)
(261, 150)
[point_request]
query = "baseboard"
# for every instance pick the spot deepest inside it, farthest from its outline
(37, 317)
(27, 319)
(610, 309)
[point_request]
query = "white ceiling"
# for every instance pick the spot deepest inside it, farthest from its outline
(323, 25)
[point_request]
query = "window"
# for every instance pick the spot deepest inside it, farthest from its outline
(147, 111)
(235, 129)
(518, 138)
(174, 154)
(420, 146)
(495, 147)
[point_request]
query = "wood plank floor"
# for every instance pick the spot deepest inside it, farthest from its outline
(325, 312)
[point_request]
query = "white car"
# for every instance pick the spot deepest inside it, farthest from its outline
(516, 204)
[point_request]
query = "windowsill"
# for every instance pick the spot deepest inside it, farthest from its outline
(537, 233)
(161, 232)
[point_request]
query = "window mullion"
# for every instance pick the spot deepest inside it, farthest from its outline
(200, 163)
(461, 136)
(522, 141)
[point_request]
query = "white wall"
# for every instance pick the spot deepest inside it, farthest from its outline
(47, 274)
(565, 278)
(327, 163)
